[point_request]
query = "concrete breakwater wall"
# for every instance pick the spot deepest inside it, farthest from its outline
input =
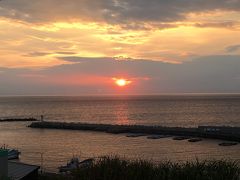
(18, 119)
(116, 129)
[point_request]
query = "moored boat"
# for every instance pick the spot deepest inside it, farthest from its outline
(179, 138)
(194, 140)
(135, 135)
(72, 165)
(12, 153)
(86, 163)
(158, 136)
(227, 144)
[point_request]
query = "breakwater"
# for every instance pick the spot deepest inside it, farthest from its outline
(18, 119)
(224, 133)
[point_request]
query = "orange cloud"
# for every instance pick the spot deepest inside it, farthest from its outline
(39, 44)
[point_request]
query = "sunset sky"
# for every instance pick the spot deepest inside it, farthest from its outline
(78, 47)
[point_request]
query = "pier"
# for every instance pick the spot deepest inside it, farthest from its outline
(18, 120)
(211, 132)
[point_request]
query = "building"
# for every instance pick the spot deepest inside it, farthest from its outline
(21, 171)
(220, 129)
(16, 170)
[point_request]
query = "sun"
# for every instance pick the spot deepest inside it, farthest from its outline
(121, 82)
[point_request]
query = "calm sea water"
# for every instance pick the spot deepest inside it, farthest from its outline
(146, 110)
(52, 148)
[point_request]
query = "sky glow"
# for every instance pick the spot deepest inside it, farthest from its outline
(39, 36)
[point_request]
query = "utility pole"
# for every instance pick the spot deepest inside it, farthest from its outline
(41, 115)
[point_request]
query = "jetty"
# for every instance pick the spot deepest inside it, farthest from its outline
(212, 132)
(18, 120)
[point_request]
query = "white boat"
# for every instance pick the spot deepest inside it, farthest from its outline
(72, 165)
(12, 153)
(76, 164)
(86, 163)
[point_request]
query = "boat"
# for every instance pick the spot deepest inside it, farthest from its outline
(135, 135)
(194, 140)
(227, 144)
(72, 165)
(75, 164)
(86, 163)
(179, 138)
(12, 153)
(157, 136)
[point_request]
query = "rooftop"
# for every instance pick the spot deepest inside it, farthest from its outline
(17, 170)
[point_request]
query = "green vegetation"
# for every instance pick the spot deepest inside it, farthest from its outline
(114, 168)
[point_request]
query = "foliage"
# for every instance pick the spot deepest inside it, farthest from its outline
(114, 168)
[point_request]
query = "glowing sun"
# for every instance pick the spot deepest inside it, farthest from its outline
(121, 82)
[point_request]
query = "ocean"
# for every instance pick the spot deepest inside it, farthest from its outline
(52, 148)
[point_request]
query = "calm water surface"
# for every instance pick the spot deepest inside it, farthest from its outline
(147, 110)
(52, 148)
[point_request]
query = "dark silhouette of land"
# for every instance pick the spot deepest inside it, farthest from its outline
(18, 119)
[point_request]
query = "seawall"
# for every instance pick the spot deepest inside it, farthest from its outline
(116, 129)
(18, 120)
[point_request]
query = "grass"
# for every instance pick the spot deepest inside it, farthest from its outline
(114, 168)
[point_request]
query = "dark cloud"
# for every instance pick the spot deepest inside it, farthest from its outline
(65, 53)
(233, 48)
(215, 74)
(230, 24)
(38, 53)
(111, 11)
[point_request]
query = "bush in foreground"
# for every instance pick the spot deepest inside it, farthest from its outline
(114, 168)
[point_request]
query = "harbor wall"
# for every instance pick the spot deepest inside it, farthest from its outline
(116, 129)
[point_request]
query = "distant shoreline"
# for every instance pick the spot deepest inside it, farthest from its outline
(18, 120)
(126, 95)
(223, 133)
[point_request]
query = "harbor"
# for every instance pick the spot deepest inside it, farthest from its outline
(210, 132)
(50, 153)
